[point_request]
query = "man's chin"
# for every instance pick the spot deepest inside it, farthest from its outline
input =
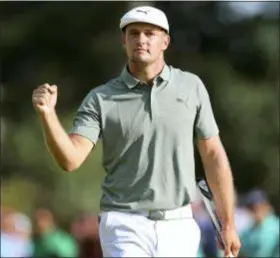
(139, 59)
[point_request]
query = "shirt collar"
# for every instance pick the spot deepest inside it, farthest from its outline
(131, 81)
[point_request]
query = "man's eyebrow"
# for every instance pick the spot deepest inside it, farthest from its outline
(145, 30)
(133, 30)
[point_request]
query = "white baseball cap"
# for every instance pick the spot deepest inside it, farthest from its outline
(145, 14)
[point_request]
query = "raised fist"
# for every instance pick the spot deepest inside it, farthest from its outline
(44, 98)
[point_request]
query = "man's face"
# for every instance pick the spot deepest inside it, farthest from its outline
(259, 211)
(144, 43)
(43, 221)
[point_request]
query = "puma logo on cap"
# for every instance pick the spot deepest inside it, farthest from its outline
(142, 11)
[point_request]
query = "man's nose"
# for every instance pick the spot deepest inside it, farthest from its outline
(141, 39)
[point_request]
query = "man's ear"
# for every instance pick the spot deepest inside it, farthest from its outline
(123, 40)
(166, 41)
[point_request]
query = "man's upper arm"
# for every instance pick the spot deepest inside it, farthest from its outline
(209, 147)
(205, 123)
(83, 145)
(86, 128)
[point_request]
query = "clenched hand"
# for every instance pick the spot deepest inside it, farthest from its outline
(44, 98)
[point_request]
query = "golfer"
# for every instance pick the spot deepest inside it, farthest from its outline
(148, 119)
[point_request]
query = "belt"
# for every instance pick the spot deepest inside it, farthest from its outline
(178, 213)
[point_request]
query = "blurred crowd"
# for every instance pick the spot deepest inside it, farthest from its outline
(256, 222)
(41, 236)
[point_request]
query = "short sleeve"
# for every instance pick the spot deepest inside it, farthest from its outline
(87, 119)
(205, 123)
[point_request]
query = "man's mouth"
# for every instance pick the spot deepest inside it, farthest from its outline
(140, 50)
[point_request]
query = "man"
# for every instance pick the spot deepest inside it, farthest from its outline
(15, 234)
(146, 118)
(85, 230)
(23, 230)
(208, 246)
(242, 215)
(261, 238)
(50, 241)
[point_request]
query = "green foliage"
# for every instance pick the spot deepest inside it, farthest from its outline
(40, 182)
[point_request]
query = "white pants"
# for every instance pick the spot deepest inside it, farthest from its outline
(125, 234)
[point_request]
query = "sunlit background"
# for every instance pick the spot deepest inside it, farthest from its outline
(232, 46)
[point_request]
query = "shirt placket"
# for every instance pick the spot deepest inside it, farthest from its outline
(152, 98)
(153, 103)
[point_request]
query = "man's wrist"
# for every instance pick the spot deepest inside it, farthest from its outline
(228, 225)
(47, 115)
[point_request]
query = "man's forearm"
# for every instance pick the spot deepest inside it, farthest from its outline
(58, 141)
(220, 180)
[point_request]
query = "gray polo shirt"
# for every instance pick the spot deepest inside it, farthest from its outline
(147, 134)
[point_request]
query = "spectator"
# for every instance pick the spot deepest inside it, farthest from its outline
(50, 240)
(7, 233)
(242, 219)
(208, 245)
(261, 238)
(23, 230)
(242, 215)
(15, 233)
(85, 230)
